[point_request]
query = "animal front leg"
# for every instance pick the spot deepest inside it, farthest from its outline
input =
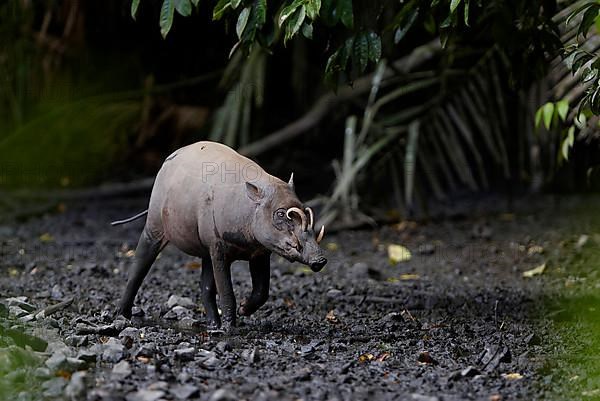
(260, 270)
(145, 254)
(209, 292)
(222, 273)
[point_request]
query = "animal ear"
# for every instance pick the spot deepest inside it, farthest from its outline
(254, 192)
(291, 181)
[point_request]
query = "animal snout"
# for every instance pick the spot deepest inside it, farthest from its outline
(318, 264)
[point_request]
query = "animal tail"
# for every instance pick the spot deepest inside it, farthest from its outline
(130, 219)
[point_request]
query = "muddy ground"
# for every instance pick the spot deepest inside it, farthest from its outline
(456, 322)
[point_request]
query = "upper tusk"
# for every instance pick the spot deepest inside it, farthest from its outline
(321, 233)
(312, 217)
(300, 213)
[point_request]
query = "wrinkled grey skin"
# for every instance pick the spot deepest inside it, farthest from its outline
(211, 202)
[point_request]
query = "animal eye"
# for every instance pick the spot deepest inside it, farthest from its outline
(280, 214)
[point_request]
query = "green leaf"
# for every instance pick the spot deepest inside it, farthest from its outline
(588, 20)
(562, 108)
(344, 10)
(166, 17)
(195, 2)
(235, 4)
(260, 8)
(577, 11)
(360, 56)
(294, 23)
(307, 31)
(289, 10)
(467, 12)
(134, 7)
(183, 7)
(374, 46)
(312, 8)
(242, 21)
(538, 117)
(434, 3)
(580, 121)
(548, 112)
(220, 9)
(568, 143)
(406, 23)
(453, 5)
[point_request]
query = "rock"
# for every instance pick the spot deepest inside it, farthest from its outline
(493, 356)
(223, 346)
(222, 395)
(87, 355)
(20, 302)
(303, 374)
(147, 350)
(113, 351)
(421, 397)
(75, 340)
(359, 271)
(334, 293)
(183, 392)
(425, 357)
(137, 311)
(76, 389)
(56, 292)
(121, 370)
(132, 332)
(188, 323)
(175, 300)
(17, 311)
(59, 361)
(178, 312)
(469, 371)
(54, 387)
(185, 354)
(251, 355)
(145, 395)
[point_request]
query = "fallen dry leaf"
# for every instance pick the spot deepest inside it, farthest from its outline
(331, 246)
(512, 376)
(425, 358)
(193, 265)
(535, 271)
(398, 253)
(130, 253)
(409, 276)
(365, 358)
(383, 356)
(289, 303)
(331, 317)
(535, 250)
(46, 237)
(495, 397)
(143, 359)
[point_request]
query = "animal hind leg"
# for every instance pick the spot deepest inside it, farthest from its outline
(260, 270)
(209, 292)
(145, 254)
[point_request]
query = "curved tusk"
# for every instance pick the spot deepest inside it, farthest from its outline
(321, 234)
(300, 213)
(312, 217)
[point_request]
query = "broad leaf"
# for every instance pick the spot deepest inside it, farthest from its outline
(312, 8)
(235, 4)
(374, 46)
(344, 10)
(134, 7)
(294, 23)
(407, 21)
(220, 9)
(195, 2)
(360, 56)
(568, 143)
(166, 17)
(260, 8)
(453, 5)
(467, 12)
(548, 113)
(307, 31)
(562, 108)
(183, 7)
(588, 19)
(242, 21)
(289, 10)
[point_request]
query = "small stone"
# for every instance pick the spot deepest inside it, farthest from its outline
(421, 397)
(425, 357)
(54, 387)
(178, 312)
(17, 311)
(175, 300)
(223, 346)
(75, 340)
(59, 361)
(56, 292)
(251, 355)
(303, 374)
(145, 395)
(76, 389)
(185, 391)
(426, 249)
(469, 371)
(359, 270)
(21, 302)
(113, 351)
(185, 354)
(121, 370)
(334, 293)
(222, 395)
(188, 323)
(87, 355)
(137, 311)
(146, 350)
